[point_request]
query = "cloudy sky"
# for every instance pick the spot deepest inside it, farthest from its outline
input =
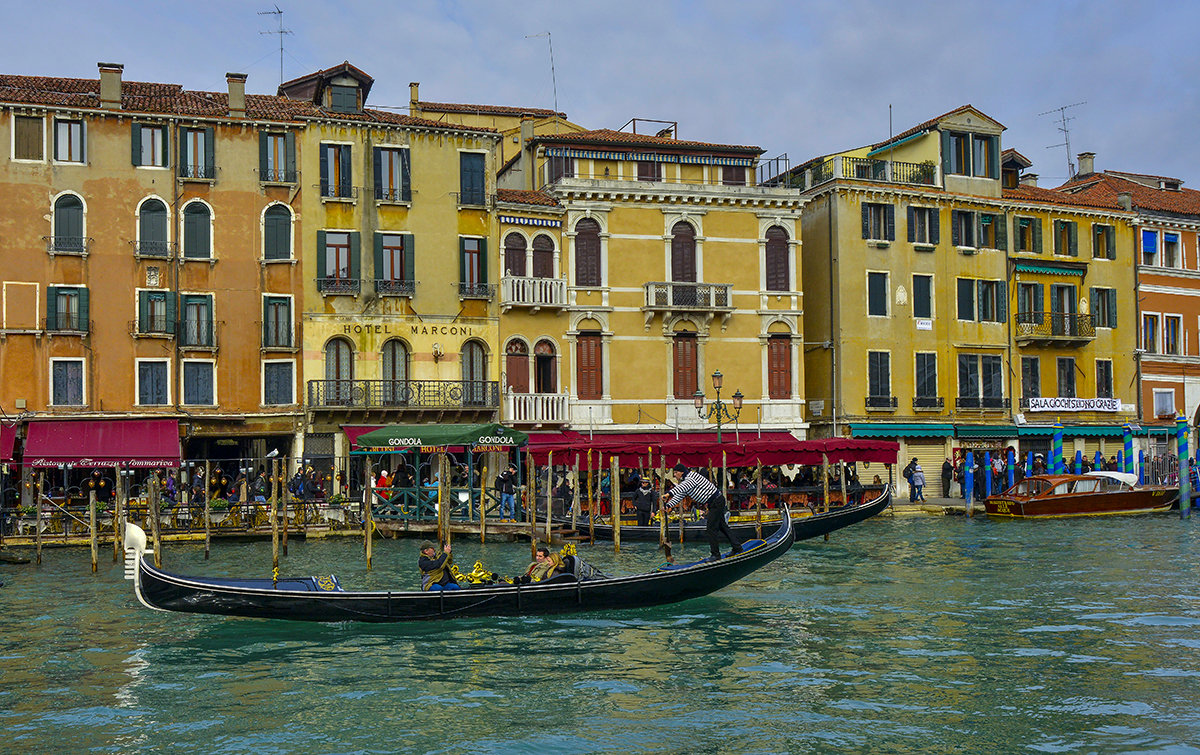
(801, 78)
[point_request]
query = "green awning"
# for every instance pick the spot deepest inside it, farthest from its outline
(985, 431)
(898, 430)
(402, 437)
(1030, 267)
(1075, 431)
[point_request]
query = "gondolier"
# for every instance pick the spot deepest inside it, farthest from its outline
(692, 484)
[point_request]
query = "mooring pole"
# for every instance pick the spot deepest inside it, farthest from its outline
(614, 495)
(152, 515)
(591, 501)
(824, 482)
(549, 493)
(37, 522)
(207, 507)
(758, 502)
(367, 517)
(119, 498)
(483, 505)
(575, 497)
(92, 530)
(662, 505)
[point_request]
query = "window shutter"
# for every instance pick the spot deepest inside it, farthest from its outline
(83, 141)
(321, 269)
(344, 183)
(1038, 300)
(1110, 239)
(377, 166)
(955, 235)
(405, 180)
(1000, 223)
(994, 157)
(409, 258)
(1037, 235)
(51, 307)
(910, 216)
(289, 147)
(462, 260)
(210, 157)
(263, 168)
(945, 153)
(266, 322)
(135, 139)
(966, 301)
(1094, 298)
(271, 242)
(324, 170)
(181, 150)
(890, 233)
(483, 261)
(1112, 307)
(172, 299)
(1001, 301)
(1073, 233)
(981, 292)
(54, 128)
(866, 223)
(935, 226)
(379, 256)
(143, 311)
(355, 256)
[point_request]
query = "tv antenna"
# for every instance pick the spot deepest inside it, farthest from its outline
(281, 31)
(1062, 121)
(553, 81)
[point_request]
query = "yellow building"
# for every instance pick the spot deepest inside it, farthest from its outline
(953, 308)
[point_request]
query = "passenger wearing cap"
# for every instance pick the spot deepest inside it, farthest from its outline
(435, 571)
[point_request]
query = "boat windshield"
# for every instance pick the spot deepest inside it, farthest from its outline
(1091, 485)
(1030, 487)
(1061, 488)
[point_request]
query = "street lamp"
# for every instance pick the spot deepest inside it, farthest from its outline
(718, 409)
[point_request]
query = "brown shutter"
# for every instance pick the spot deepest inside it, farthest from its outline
(777, 259)
(587, 253)
(516, 367)
(589, 367)
(685, 365)
(543, 257)
(514, 255)
(683, 253)
(779, 367)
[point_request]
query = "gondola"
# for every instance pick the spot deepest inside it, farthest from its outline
(804, 526)
(323, 599)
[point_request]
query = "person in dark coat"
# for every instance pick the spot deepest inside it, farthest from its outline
(435, 570)
(689, 483)
(947, 475)
(643, 502)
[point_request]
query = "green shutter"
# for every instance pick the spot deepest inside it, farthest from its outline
(1000, 223)
(865, 222)
(181, 150)
(1110, 234)
(955, 235)
(1037, 235)
(1094, 295)
(405, 180)
(1112, 307)
(346, 182)
(263, 149)
(54, 128)
(378, 255)
(84, 319)
(210, 157)
(945, 154)
(890, 212)
(462, 260)
(289, 147)
(377, 167)
(323, 154)
(320, 255)
(1002, 301)
(935, 226)
(143, 311)
(909, 217)
(1073, 234)
(355, 256)
(994, 157)
(483, 261)
(51, 308)
(1039, 302)
(135, 133)
(409, 258)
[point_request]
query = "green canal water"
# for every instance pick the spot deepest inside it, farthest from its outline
(937, 634)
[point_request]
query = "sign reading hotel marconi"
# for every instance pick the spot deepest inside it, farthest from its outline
(1056, 404)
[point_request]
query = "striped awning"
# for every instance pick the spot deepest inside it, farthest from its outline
(515, 220)
(899, 430)
(1048, 269)
(595, 154)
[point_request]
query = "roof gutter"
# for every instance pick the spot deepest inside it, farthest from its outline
(893, 145)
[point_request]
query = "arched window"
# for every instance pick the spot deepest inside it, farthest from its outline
(683, 253)
(277, 233)
(587, 253)
(197, 231)
(545, 368)
(778, 278)
(516, 366)
(152, 228)
(779, 366)
(474, 374)
(543, 256)
(68, 224)
(339, 371)
(395, 372)
(514, 255)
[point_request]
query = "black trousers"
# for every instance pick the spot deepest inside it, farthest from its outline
(643, 518)
(715, 525)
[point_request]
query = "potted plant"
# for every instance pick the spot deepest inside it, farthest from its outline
(218, 510)
(334, 509)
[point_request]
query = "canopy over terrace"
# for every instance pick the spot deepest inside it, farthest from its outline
(397, 438)
(144, 443)
(703, 450)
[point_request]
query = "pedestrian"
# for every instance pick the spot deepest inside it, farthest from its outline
(908, 473)
(643, 502)
(918, 483)
(506, 486)
(947, 475)
(692, 484)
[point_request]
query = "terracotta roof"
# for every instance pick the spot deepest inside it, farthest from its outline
(1054, 196)
(609, 137)
(928, 125)
(518, 196)
(1012, 154)
(344, 67)
(1107, 187)
(516, 112)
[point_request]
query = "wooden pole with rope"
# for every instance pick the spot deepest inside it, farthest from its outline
(37, 521)
(662, 504)
(758, 501)
(368, 519)
(591, 501)
(152, 515)
(614, 496)
(483, 505)
(92, 534)
(549, 492)
(207, 509)
(575, 498)
(119, 494)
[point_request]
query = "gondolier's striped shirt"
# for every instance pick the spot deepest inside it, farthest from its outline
(695, 486)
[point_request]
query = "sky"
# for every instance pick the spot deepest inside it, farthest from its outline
(795, 78)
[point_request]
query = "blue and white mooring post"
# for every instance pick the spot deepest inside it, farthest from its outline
(987, 474)
(1181, 448)
(1012, 463)
(969, 480)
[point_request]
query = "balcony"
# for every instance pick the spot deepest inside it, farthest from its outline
(535, 408)
(477, 291)
(197, 334)
(709, 299)
(152, 325)
(338, 286)
(395, 288)
(404, 395)
(1054, 329)
(205, 172)
(865, 168)
(928, 402)
(994, 403)
(278, 176)
(532, 292)
(155, 249)
(67, 244)
(881, 403)
(67, 322)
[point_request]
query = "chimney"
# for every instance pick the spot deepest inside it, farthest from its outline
(1125, 200)
(237, 94)
(110, 85)
(1087, 163)
(527, 168)
(413, 99)
(1029, 179)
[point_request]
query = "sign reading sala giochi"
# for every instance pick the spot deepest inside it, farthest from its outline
(1064, 404)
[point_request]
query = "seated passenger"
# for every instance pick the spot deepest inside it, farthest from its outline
(543, 567)
(435, 572)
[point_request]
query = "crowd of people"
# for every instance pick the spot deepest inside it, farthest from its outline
(953, 476)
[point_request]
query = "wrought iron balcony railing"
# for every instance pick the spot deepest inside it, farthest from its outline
(881, 402)
(348, 286)
(477, 291)
(67, 322)
(162, 249)
(205, 171)
(706, 297)
(393, 194)
(67, 244)
(278, 176)
(197, 333)
(153, 325)
(395, 288)
(928, 402)
(521, 291)
(981, 402)
(1055, 326)
(404, 394)
(337, 191)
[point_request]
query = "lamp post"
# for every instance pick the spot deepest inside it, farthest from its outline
(718, 409)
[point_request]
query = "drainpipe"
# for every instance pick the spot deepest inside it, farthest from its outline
(833, 326)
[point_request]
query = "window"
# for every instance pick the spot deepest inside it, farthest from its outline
(66, 382)
(982, 300)
(156, 312)
(28, 133)
(993, 231)
(1149, 247)
(962, 228)
(989, 301)
(336, 171)
(983, 156)
(991, 371)
(589, 366)
(338, 262)
(878, 221)
(958, 156)
(545, 366)
(153, 386)
(971, 154)
(1104, 307)
(926, 386)
(343, 99)
(516, 366)
(1104, 242)
(68, 226)
(152, 229)
(922, 296)
(1170, 247)
(779, 366)
(776, 258)
(587, 253)
(471, 178)
(196, 158)
(733, 175)
(684, 365)
(278, 383)
(968, 376)
(1029, 302)
(1172, 324)
(1150, 334)
(1164, 402)
(649, 170)
(277, 233)
(1066, 377)
(339, 371)
(966, 299)
(70, 141)
(67, 308)
(197, 231)
(1029, 235)
(877, 294)
(923, 225)
(559, 167)
(472, 268)
(474, 374)
(1104, 378)
(543, 256)
(394, 264)
(395, 372)
(879, 377)
(1031, 377)
(514, 255)
(1066, 238)
(149, 145)
(277, 157)
(277, 322)
(683, 263)
(980, 381)
(198, 383)
(196, 326)
(392, 176)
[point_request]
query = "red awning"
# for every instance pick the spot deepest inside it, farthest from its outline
(103, 443)
(8, 439)
(353, 431)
